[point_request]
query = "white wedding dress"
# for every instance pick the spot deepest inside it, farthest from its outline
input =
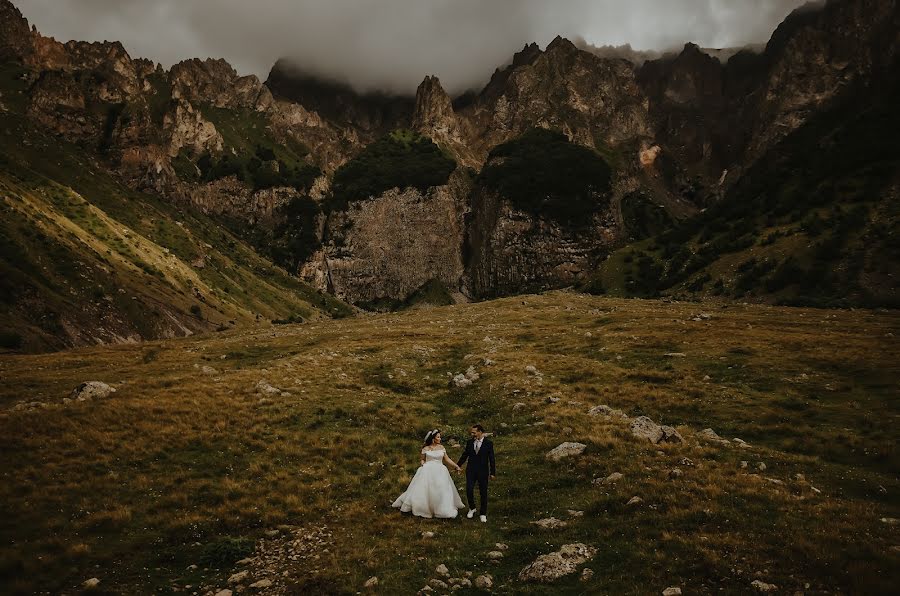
(431, 492)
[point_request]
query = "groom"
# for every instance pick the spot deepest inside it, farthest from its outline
(480, 452)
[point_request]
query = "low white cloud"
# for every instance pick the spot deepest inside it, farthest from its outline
(393, 44)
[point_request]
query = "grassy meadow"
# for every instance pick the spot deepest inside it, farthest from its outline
(188, 467)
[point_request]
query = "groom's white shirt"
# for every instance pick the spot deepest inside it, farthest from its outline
(478, 445)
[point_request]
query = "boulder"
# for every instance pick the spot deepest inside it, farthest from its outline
(612, 478)
(442, 570)
(550, 523)
(552, 566)
(91, 390)
(238, 577)
(484, 582)
(762, 586)
(644, 428)
(91, 583)
(604, 410)
(709, 434)
(671, 592)
(263, 583)
(565, 450)
(265, 388)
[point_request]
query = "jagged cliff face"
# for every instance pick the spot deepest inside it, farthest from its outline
(383, 249)
(510, 251)
(681, 130)
(718, 119)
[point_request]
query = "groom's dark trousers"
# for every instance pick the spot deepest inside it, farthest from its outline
(481, 465)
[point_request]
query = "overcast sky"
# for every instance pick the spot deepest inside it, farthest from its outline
(393, 44)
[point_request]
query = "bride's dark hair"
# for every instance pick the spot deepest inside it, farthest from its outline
(429, 438)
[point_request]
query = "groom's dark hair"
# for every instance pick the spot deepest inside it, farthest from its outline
(478, 427)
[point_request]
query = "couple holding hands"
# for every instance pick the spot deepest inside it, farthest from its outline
(432, 493)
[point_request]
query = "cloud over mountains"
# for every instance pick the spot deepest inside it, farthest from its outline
(393, 44)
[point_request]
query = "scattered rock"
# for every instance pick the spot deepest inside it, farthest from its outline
(565, 450)
(891, 521)
(744, 464)
(438, 584)
(687, 462)
(371, 582)
(586, 574)
(634, 501)
(495, 555)
(238, 577)
(675, 473)
(605, 410)
(266, 389)
(267, 583)
(761, 467)
(427, 534)
(711, 435)
(675, 355)
(91, 390)
(518, 406)
(550, 523)
(442, 570)
(244, 561)
(672, 592)
(740, 443)
(574, 513)
(463, 380)
(208, 370)
(484, 582)
(552, 400)
(532, 371)
(29, 406)
(550, 567)
(614, 477)
(272, 533)
(762, 586)
(225, 592)
(644, 428)
(91, 583)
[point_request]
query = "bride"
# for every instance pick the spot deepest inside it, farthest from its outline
(431, 492)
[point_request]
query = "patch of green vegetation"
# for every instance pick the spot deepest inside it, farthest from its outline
(541, 172)
(294, 239)
(806, 225)
(11, 340)
(13, 87)
(642, 217)
(401, 159)
(226, 551)
(432, 292)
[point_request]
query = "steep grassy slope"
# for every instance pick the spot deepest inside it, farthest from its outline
(814, 222)
(85, 260)
(188, 463)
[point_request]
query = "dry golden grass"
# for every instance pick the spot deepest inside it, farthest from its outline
(135, 488)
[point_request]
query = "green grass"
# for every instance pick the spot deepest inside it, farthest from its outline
(78, 247)
(543, 173)
(181, 467)
(400, 159)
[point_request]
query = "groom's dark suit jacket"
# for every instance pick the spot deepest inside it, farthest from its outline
(479, 463)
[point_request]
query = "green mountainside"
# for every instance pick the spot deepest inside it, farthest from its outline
(84, 259)
(814, 222)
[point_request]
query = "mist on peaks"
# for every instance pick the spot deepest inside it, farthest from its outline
(390, 45)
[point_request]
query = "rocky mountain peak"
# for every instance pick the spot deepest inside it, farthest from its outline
(215, 81)
(561, 44)
(15, 35)
(433, 106)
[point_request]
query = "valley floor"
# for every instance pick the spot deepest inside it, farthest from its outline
(284, 446)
